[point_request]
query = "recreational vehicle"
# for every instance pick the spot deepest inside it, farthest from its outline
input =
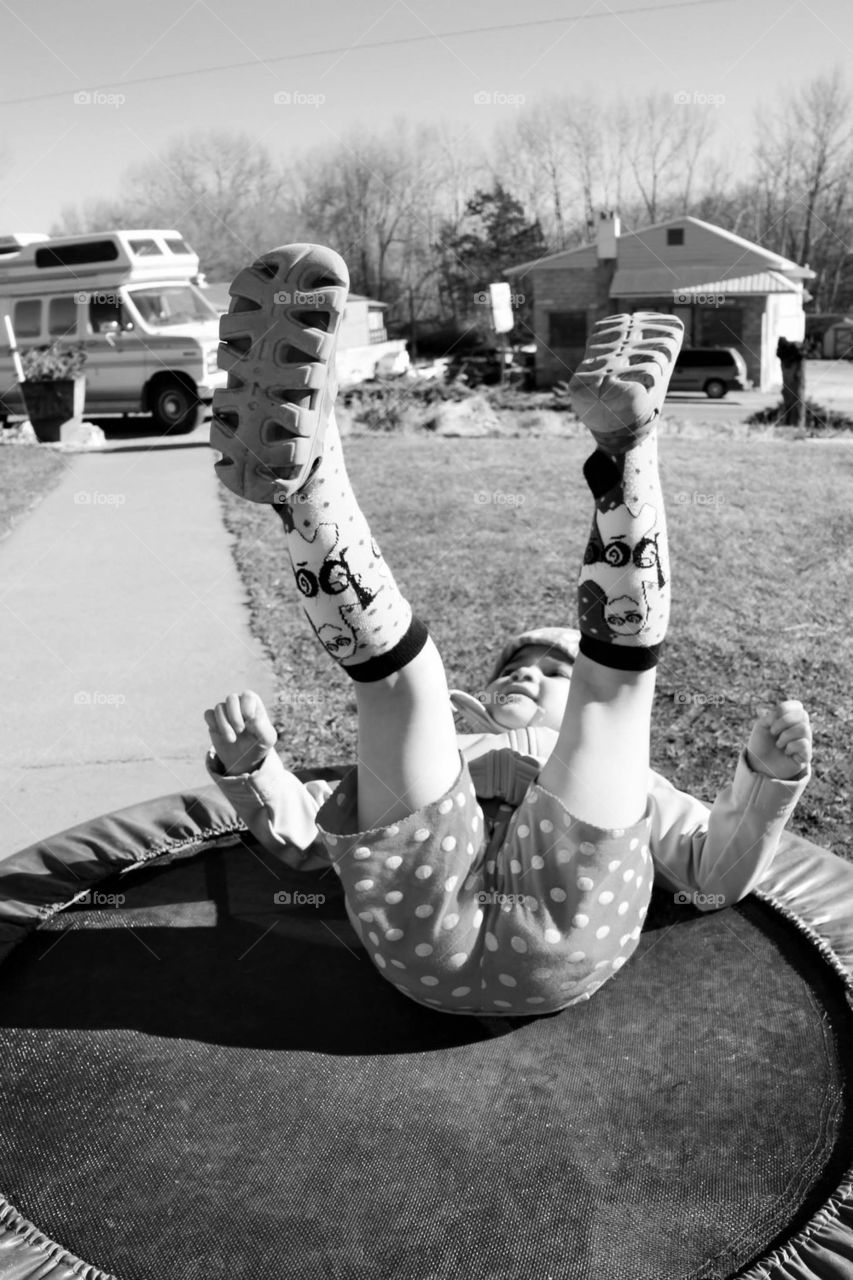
(132, 300)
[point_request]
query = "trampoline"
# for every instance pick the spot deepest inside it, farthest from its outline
(204, 1076)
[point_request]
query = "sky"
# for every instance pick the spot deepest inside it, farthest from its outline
(109, 83)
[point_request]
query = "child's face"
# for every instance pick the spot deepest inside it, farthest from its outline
(532, 689)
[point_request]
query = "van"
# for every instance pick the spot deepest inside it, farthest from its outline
(714, 370)
(132, 300)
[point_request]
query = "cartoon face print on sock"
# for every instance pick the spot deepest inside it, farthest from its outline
(621, 577)
(340, 595)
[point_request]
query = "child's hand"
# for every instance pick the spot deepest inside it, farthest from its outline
(781, 741)
(240, 732)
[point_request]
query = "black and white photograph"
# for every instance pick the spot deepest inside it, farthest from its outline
(426, 637)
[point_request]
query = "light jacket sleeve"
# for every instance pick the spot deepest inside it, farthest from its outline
(278, 809)
(717, 856)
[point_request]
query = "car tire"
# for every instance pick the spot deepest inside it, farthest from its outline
(715, 388)
(174, 406)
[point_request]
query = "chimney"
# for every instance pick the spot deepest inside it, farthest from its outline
(607, 233)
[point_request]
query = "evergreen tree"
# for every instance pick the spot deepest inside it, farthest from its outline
(493, 233)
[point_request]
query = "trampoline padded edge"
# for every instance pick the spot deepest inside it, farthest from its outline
(43, 879)
(27, 1254)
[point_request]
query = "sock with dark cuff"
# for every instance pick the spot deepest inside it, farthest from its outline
(349, 596)
(623, 588)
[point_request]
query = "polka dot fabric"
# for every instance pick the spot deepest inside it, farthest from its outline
(526, 915)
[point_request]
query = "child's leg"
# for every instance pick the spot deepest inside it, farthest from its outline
(407, 752)
(276, 419)
(599, 768)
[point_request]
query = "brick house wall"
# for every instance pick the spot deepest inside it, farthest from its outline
(583, 294)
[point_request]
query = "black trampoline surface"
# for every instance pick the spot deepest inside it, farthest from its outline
(203, 1082)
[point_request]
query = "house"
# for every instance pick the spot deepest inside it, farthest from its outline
(728, 292)
(364, 349)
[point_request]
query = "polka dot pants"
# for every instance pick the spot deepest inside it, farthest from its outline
(529, 919)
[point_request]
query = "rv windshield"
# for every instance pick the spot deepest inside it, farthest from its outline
(172, 304)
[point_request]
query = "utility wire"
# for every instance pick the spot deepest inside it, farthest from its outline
(356, 48)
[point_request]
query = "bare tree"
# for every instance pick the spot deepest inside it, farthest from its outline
(804, 164)
(662, 141)
(221, 190)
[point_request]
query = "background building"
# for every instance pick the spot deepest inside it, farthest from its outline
(728, 292)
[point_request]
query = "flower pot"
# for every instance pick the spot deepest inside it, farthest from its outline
(52, 402)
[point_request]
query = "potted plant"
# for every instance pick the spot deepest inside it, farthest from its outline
(54, 387)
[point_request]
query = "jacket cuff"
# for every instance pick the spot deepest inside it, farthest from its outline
(255, 785)
(269, 787)
(776, 796)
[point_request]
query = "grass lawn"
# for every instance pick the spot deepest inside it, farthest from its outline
(27, 472)
(485, 538)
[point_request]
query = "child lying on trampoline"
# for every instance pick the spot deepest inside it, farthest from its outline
(507, 871)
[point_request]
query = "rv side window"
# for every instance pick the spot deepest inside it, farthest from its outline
(62, 316)
(28, 318)
(106, 310)
(145, 248)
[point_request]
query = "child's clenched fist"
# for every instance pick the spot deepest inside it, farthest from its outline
(240, 732)
(781, 741)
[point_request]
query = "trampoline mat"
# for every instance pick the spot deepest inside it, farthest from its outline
(204, 1082)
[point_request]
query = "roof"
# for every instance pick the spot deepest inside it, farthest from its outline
(586, 255)
(690, 281)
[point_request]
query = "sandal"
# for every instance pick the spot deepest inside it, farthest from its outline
(278, 343)
(619, 386)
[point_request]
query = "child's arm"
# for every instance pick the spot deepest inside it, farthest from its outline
(714, 858)
(276, 807)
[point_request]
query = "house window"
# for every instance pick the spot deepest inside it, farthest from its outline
(675, 235)
(720, 326)
(566, 329)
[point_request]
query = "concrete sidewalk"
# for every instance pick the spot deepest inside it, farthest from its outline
(123, 617)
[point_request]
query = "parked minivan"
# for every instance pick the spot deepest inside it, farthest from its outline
(714, 370)
(132, 299)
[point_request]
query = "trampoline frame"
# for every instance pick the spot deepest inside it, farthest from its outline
(810, 887)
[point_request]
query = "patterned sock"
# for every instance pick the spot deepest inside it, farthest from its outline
(350, 597)
(623, 589)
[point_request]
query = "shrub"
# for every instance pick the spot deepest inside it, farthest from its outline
(399, 405)
(818, 418)
(50, 364)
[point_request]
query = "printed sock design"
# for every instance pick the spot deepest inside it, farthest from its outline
(624, 588)
(349, 595)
